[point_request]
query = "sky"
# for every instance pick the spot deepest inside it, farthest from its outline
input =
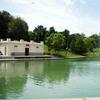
(78, 16)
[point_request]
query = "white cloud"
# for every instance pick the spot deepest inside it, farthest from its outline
(20, 1)
(69, 2)
(89, 25)
(48, 13)
(83, 1)
(57, 13)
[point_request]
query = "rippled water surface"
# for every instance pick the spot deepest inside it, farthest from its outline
(50, 78)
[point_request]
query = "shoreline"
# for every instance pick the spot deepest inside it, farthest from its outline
(82, 98)
(30, 58)
(36, 58)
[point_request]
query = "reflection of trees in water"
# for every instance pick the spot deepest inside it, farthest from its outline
(56, 71)
(11, 86)
(86, 68)
(14, 75)
(11, 80)
(36, 70)
(15, 85)
(2, 88)
(49, 71)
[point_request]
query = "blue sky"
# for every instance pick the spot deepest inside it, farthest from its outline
(76, 15)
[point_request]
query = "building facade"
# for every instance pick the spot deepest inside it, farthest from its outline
(20, 48)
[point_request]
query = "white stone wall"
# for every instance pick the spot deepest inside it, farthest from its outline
(37, 48)
(9, 49)
(2, 49)
(18, 47)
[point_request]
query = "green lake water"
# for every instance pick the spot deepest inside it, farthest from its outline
(50, 78)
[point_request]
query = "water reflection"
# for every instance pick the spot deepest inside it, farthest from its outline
(2, 88)
(35, 78)
(36, 72)
(58, 71)
(14, 75)
(12, 78)
(86, 68)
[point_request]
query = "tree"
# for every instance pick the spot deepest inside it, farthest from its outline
(77, 44)
(96, 40)
(48, 42)
(89, 43)
(39, 33)
(5, 18)
(52, 30)
(74, 37)
(66, 34)
(18, 29)
(55, 41)
(30, 34)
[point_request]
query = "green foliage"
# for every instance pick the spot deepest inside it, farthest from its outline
(39, 33)
(77, 44)
(14, 28)
(51, 30)
(58, 41)
(30, 34)
(96, 40)
(66, 34)
(5, 18)
(89, 43)
(74, 37)
(61, 53)
(18, 29)
(55, 41)
(48, 42)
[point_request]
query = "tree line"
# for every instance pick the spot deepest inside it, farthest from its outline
(16, 28)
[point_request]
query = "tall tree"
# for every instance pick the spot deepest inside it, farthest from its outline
(73, 37)
(55, 41)
(66, 34)
(39, 33)
(77, 44)
(89, 41)
(18, 29)
(5, 18)
(96, 42)
(51, 30)
(30, 34)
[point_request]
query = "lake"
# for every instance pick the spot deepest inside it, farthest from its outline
(50, 78)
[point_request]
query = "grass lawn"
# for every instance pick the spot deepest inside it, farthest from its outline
(96, 52)
(63, 53)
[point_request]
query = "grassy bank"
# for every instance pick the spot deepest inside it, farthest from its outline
(95, 53)
(63, 53)
(68, 54)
